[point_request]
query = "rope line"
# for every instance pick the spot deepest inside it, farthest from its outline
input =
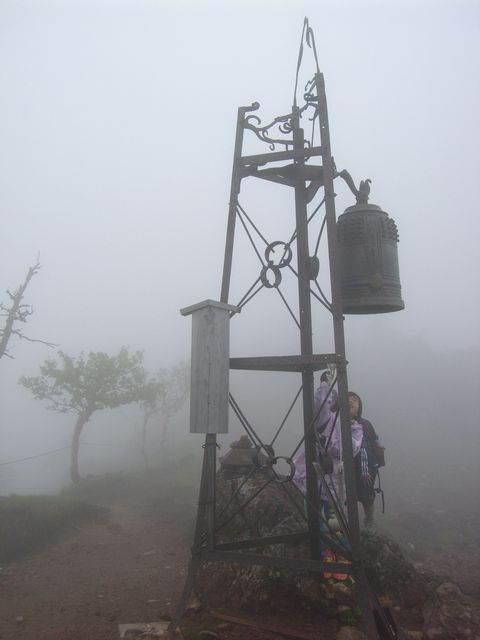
(39, 455)
(47, 453)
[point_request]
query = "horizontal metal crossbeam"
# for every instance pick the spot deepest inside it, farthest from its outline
(278, 156)
(300, 363)
(262, 542)
(297, 564)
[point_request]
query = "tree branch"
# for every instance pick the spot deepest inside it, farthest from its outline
(20, 335)
(18, 312)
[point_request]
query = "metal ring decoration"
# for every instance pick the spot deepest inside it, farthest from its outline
(287, 256)
(265, 281)
(290, 463)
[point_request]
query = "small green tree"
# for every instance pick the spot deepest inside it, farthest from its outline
(86, 384)
(164, 396)
(150, 401)
(176, 381)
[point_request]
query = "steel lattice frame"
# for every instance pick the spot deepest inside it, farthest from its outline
(306, 179)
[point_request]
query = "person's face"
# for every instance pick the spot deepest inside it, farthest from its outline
(354, 406)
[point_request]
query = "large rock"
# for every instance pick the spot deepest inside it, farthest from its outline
(447, 613)
(391, 574)
(451, 615)
(276, 510)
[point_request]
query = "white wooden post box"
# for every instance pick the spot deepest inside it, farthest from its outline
(210, 366)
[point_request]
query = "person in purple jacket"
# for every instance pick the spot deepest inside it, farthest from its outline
(327, 425)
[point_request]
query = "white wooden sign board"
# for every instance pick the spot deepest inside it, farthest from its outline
(210, 366)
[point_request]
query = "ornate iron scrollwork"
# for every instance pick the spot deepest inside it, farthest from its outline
(291, 465)
(311, 100)
(286, 257)
(284, 124)
(272, 268)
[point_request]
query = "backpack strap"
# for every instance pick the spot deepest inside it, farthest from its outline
(380, 491)
(368, 429)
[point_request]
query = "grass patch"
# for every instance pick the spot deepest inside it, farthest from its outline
(179, 478)
(104, 488)
(29, 522)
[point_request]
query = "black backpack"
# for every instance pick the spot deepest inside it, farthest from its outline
(375, 451)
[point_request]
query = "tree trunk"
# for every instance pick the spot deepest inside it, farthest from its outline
(163, 437)
(146, 418)
(81, 420)
(18, 312)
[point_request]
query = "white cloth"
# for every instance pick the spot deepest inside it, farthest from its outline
(326, 424)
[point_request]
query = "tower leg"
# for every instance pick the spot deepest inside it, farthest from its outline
(205, 523)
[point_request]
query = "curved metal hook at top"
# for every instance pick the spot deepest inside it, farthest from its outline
(253, 107)
(307, 33)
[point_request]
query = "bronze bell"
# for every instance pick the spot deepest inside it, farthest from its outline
(370, 280)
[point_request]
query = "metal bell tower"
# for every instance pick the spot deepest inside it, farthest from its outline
(303, 162)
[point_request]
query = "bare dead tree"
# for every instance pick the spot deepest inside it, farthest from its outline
(17, 312)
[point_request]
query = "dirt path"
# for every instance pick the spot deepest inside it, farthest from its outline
(127, 567)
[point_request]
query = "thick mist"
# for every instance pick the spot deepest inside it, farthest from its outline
(117, 125)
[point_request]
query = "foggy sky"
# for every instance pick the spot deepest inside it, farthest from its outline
(117, 123)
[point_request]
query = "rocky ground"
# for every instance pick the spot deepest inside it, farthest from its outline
(129, 566)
